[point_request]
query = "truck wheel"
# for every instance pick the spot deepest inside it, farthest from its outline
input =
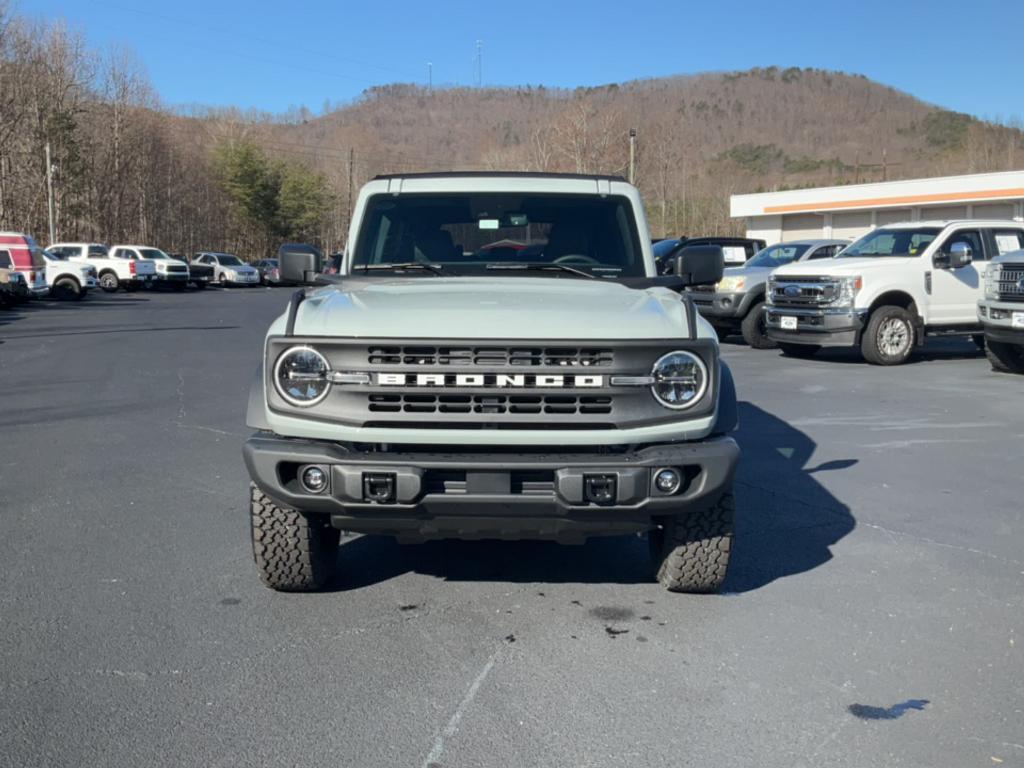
(67, 289)
(754, 330)
(690, 552)
(1005, 358)
(109, 282)
(888, 338)
(798, 350)
(294, 552)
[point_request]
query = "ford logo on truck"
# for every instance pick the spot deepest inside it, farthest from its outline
(499, 380)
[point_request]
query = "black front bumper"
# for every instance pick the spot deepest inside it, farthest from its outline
(825, 328)
(722, 307)
(1004, 334)
(521, 495)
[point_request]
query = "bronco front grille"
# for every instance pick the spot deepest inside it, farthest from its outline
(493, 357)
(1009, 286)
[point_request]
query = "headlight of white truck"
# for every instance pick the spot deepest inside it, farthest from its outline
(300, 376)
(848, 287)
(992, 275)
(680, 379)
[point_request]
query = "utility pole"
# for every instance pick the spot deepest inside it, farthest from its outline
(351, 162)
(479, 63)
(430, 75)
(632, 155)
(49, 194)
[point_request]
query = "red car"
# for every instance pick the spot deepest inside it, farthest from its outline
(22, 254)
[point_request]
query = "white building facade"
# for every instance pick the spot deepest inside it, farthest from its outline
(850, 211)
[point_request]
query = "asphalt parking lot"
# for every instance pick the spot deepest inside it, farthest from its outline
(872, 617)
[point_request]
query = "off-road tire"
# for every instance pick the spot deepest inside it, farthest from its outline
(798, 350)
(294, 551)
(873, 343)
(690, 552)
(754, 330)
(1005, 358)
(109, 282)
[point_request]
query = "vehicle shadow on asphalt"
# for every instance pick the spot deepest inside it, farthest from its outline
(786, 523)
(786, 520)
(933, 350)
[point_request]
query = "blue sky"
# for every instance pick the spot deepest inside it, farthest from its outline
(273, 55)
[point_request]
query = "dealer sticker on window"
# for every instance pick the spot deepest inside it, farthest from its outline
(1018, 320)
(788, 323)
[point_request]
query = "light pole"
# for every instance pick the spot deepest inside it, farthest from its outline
(632, 155)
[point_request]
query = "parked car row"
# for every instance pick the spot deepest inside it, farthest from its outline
(70, 270)
(884, 294)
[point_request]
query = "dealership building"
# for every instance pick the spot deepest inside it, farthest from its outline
(852, 210)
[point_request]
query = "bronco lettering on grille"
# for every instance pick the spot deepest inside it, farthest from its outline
(499, 380)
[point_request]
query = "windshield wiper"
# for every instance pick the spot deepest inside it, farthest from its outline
(542, 268)
(434, 268)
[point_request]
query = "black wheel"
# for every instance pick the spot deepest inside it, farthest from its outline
(1005, 358)
(754, 330)
(979, 341)
(294, 551)
(67, 289)
(889, 336)
(109, 282)
(690, 552)
(799, 350)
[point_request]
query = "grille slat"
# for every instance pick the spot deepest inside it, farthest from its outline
(492, 357)
(1009, 284)
(489, 404)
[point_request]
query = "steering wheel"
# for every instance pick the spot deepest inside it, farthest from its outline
(576, 258)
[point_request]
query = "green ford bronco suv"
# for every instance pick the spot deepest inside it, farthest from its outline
(496, 359)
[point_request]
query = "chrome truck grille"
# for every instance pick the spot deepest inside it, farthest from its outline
(1011, 283)
(803, 291)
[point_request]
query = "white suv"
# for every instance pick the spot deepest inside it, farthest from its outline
(887, 291)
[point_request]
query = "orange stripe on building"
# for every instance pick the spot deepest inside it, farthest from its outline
(940, 197)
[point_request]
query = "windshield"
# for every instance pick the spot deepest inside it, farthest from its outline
(152, 253)
(228, 260)
(777, 255)
(892, 242)
(471, 233)
(53, 256)
(99, 250)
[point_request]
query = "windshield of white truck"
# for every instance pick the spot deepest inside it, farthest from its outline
(153, 253)
(476, 234)
(777, 255)
(892, 242)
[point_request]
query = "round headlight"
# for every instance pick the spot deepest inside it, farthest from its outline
(680, 379)
(300, 376)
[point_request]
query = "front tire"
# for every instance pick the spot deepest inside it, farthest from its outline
(690, 552)
(294, 551)
(754, 329)
(67, 289)
(1005, 358)
(223, 280)
(799, 350)
(889, 336)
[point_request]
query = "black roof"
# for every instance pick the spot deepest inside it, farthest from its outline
(500, 174)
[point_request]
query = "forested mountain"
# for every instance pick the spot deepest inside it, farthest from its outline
(128, 169)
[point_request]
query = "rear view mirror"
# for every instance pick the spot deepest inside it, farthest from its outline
(300, 263)
(700, 264)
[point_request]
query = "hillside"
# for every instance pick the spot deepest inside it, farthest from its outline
(700, 137)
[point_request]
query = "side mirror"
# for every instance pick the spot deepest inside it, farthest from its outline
(300, 263)
(958, 255)
(700, 264)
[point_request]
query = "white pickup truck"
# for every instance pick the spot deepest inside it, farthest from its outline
(170, 272)
(113, 272)
(889, 290)
(68, 280)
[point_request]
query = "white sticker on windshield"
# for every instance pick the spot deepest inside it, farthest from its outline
(1007, 243)
(735, 254)
(489, 223)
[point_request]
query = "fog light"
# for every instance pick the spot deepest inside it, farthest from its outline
(314, 479)
(667, 481)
